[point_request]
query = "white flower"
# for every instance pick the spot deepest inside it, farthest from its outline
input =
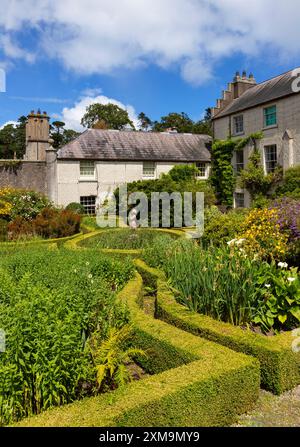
(283, 265)
(87, 263)
(291, 279)
(90, 276)
(267, 286)
(240, 241)
(75, 271)
(232, 242)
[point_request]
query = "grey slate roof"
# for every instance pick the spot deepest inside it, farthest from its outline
(97, 144)
(267, 91)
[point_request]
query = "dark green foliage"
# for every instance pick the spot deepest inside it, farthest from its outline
(76, 208)
(12, 140)
(254, 179)
(220, 228)
(222, 174)
(179, 179)
(290, 186)
(106, 116)
(182, 123)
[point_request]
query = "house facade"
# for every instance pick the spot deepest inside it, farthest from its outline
(99, 161)
(271, 107)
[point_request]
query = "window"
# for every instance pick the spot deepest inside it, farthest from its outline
(149, 169)
(87, 169)
(238, 124)
(270, 158)
(239, 161)
(239, 200)
(202, 169)
(89, 204)
(270, 116)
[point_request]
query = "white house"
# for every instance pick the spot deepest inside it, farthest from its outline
(98, 161)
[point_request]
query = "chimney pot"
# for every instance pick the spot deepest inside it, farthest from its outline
(244, 75)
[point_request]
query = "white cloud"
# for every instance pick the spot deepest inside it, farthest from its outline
(97, 36)
(72, 115)
(8, 122)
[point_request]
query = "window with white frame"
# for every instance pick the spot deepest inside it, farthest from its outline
(201, 170)
(149, 168)
(239, 200)
(270, 158)
(239, 161)
(238, 124)
(89, 204)
(87, 169)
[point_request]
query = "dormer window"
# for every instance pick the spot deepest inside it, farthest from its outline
(238, 124)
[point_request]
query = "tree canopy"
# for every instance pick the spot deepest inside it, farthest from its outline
(12, 139)
(106, 116)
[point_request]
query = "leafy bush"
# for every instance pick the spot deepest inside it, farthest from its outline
(76, 208)
(181, 178)
(21, 203)
(220, 227)
(290, 185)
(262, 236)
(50, 304)
(3, 230)
(278, 300)
(50, 223)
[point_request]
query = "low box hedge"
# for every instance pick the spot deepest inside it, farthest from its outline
(280, 366)
(207, 385)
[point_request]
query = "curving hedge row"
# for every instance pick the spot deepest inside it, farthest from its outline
(280, 366)
(207, 385)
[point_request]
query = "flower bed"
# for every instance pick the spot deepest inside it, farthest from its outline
(280, 366)
(202, 388)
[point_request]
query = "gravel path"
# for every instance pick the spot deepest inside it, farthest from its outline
(274, 411)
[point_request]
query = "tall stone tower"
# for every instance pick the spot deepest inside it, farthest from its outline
(37, 136)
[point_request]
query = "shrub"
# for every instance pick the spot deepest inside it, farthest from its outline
(180, 173)
(184, 182)
(52, 223)
(262, 236)
(21, 203)
(290, 185)
(20, 228)
(76, 208)
(220, 227)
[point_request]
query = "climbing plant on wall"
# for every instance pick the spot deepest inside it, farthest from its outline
(222, 173)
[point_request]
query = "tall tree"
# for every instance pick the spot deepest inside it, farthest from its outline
(12, 139)
(144, 121)
(179, 121)
(60, 135)
(108, 116)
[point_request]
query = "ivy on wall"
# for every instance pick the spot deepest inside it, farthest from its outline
(222, 173)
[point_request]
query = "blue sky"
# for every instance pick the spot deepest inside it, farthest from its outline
(156, 56)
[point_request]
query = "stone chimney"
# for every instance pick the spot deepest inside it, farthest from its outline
(235, 89)
(37, 136)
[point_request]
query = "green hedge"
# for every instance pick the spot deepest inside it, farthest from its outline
(207, 385)
(280, 366)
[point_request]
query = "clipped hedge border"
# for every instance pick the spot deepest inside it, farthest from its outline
(61, 240)
(280, 366)
(207, 385)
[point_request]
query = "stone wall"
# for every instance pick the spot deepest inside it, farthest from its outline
(24, 174)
